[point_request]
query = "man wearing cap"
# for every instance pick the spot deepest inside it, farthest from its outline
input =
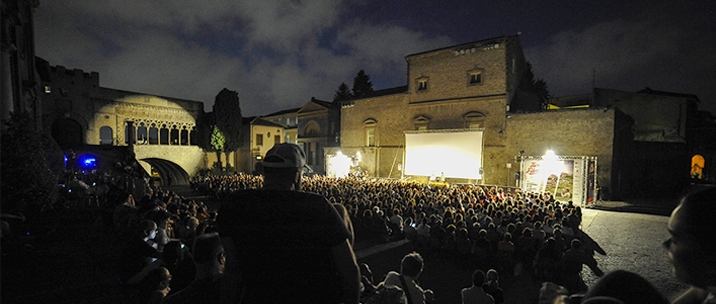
(284, 245)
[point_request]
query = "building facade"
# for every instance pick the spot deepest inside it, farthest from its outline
(468, 86)
(160, 131)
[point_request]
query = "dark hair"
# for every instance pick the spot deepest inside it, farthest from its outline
(206, 247)
(478, 278)
(411, 265)
(699, 208)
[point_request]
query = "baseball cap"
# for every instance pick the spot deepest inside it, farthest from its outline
(285, 155)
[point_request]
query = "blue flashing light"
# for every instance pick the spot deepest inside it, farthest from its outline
(88, 162)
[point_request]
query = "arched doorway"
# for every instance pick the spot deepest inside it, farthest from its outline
(168, 173)
(67, 132)
(697, 166)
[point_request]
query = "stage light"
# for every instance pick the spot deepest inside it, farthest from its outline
(339, 165)
(87, 162)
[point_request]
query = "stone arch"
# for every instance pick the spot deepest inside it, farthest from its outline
(68, 132)
(312, 129)
(142, 133)
(163, 134)
(169, 172)
(174, 135)
(153, 134)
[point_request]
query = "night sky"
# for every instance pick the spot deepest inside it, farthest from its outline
(279, 54)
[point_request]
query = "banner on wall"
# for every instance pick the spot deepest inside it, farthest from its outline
(591, 181)
(566, 179)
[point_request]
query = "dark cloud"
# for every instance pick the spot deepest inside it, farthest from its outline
(667, 48)
(279, 54)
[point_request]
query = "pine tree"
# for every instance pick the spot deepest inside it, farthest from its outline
(362, 87)
(343, 93)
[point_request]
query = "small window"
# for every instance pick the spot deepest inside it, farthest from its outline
(476, 78)
(277, 139)
(422, 85)
(259, 139)
(370, 137)
(48, 89)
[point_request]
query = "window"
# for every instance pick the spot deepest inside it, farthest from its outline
(130, 132)
(369, 129)
(277, 139)
(259, 139)
(153, 134)
(475, 77)
(474, 119)
(312, 129)
(370, 137)
(142, 133)
(422, 84)
(164, 135)
(105, 135)
(174, 135)
(421, 122)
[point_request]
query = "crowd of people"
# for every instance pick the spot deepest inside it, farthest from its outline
(508, 232)
(503, 230)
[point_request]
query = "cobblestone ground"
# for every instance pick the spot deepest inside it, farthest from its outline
(632, 242)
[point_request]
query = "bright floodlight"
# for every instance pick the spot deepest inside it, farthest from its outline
(340, 164)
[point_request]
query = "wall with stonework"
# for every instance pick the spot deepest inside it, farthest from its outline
(584, 132)
(189, 158)
(448, 71)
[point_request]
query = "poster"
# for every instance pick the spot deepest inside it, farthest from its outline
(555, 177)
(565, 178)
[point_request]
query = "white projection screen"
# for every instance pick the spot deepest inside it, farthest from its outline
(455, 153)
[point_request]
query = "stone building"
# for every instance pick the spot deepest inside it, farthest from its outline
(468, 86)
(160, 131)
(319, 124)
(475, 86)
(289, 120)
(665, 137)
(19, 82)
(258, 136)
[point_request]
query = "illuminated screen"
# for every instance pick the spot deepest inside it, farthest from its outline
(457, 154)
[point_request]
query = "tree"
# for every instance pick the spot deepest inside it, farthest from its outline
(532, 94)
(218, 143)
(362, 87)
(343, 93)
(27, 182)
(227, 114)
(205, 127)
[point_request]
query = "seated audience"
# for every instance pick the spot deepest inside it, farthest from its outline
(475, 294)
(155, 286)
(138, 257)
(410, 268)
(210, 261)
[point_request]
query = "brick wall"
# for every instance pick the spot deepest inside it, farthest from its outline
(568, 133)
